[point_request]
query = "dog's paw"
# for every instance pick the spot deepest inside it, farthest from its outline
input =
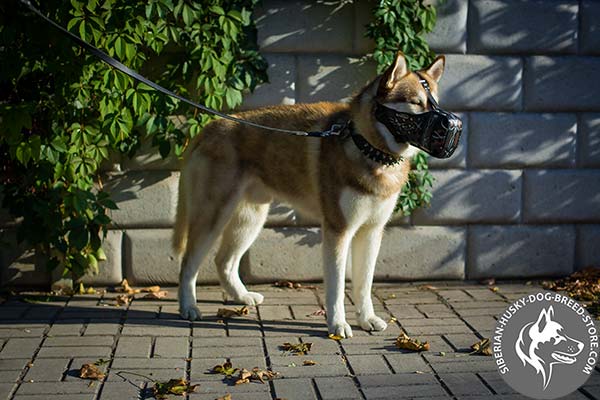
(251, 299)
(341, 329)
(372, 323)
(191, 313)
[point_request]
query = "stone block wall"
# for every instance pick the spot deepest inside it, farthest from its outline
(521, 197)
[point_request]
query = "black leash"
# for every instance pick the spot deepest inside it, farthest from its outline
(334, 130)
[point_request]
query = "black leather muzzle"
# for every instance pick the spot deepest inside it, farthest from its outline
(437, 132)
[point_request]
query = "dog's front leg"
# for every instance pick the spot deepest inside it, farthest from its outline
(335, 254)
(365, 247)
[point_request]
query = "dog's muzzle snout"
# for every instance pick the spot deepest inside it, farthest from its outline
(436, 132)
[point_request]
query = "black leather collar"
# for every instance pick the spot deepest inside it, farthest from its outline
(371, 152)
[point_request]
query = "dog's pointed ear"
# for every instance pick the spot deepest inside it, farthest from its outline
(396, 71)
(544, 318)
(436, 69)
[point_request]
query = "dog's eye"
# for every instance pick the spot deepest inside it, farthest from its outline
(557, 339)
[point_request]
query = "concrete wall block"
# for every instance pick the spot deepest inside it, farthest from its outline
(590, 27)
(587, 250)
(589, 139)
(111, 270)
(473, 197)
(520, 251)
(514, 26)
(149, 259)
(331, 77)
(19, 265)
(281, 88)
(562, 83)
(304, 26)
(296, 254)
(145, 199)
(282, 215)
(363, 15)
(286, 253)
(422, 252)
(474, 82)
(148, 158)
(459, 158)
(450, 32)
(502, 140)
(561, 196)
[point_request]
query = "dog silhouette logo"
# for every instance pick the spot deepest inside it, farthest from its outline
(544, 343)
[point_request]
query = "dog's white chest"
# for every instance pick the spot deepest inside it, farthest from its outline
(360, 209)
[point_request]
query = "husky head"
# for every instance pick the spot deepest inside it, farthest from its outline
(544, 343)
(399, 89)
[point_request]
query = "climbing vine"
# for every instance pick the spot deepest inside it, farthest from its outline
(401, 25)
(63, 112)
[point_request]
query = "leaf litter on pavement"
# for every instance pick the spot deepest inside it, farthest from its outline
(127, 293)
(405, 342)
(297, 349)
(179, 387)
(232, 312)
(243, 375)
(482, 347)
(583, 285)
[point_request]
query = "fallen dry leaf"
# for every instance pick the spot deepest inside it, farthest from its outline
(287, 285)
(256, 374)
(427, 287)
(232, 312)
(244, 377)
(482, 347)
(179, 387)
(334, 337)
(317, 313)
(309, 362)
(403, 341)
(226, 397)
(299, 349)
(83, 290)
(292, 285)
(90, 371)
(150, 289)
(123, 299)
(125, 288)
(262, 374)
(488, 282)
(225, 369)
(390, 296)
(161, 294)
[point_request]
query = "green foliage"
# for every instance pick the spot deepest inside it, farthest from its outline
(416, 192)
(401, 25)
(62, 111)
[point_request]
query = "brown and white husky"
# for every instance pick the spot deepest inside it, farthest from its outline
(232, 172)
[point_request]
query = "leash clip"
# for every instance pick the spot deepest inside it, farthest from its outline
(335, 130)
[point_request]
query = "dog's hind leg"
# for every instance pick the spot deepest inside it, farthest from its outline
(210, 207)
(241, 231)
(365, 247)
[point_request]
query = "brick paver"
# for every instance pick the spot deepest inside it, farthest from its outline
(43, 345)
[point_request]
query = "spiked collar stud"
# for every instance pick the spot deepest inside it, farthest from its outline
(371, 152)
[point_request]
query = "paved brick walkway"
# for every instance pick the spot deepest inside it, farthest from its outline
(44, 344)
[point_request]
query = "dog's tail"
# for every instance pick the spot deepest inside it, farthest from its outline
(180, 232)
